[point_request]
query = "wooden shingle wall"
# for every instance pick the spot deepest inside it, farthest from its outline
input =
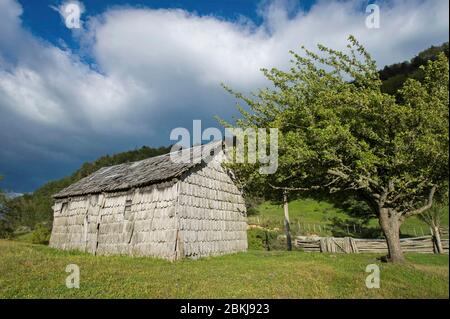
(200, 214)
(102, 224)
(212, 214)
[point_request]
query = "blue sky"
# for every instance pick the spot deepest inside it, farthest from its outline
(43, 21)
(137, 69)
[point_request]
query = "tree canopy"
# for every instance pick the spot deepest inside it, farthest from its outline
(339, 132)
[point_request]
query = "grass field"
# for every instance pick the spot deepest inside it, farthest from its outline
(310, 212)
(36, 271)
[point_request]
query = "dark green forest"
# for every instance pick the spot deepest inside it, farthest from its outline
(26, 212)
(393, 76)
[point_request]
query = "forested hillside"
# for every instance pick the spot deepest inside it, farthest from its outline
(393, 76)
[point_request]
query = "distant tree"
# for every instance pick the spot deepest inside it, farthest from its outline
(5, 228)
(2, 200)
(339, 132)
(433, 218)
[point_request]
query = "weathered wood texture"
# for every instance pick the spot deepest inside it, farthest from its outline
(102, 224)
(200, 213)
(138, 174)
(212, 214)
(422, 244)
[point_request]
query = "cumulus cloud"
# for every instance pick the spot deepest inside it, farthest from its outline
(159, 69)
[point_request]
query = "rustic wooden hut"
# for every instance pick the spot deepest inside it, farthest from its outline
(154, 207)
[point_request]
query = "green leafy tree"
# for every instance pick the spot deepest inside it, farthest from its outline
(339, 132)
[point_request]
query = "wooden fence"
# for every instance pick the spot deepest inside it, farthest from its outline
(326, 229)
(423, 244)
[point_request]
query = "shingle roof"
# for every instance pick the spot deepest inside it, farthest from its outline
(138, 174)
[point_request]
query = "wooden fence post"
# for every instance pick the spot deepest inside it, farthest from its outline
(286, 221)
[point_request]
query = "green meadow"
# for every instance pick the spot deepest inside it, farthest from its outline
(37, 271)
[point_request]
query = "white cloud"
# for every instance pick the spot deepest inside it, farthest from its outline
(158, 69)
(167, 55)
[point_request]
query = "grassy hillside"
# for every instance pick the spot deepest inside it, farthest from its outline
(310, 214)
(35, 271)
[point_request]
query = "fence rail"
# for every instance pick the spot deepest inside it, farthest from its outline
(423, 244)
(324, 229)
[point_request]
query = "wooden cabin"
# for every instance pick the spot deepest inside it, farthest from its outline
(155, 207)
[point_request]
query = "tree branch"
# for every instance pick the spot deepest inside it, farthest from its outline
(424, 208)
(363, 183)
(296, 188)
(315, 187)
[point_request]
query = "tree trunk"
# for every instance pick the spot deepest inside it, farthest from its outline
(287, 227)
(437, 239)
(390, 224)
